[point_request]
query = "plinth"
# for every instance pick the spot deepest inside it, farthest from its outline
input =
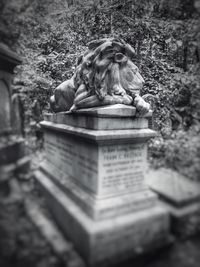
(94, 181)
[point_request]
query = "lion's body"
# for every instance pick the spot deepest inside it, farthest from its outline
(105, 75)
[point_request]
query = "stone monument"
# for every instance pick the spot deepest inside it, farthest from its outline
(96, 159)
(13, 157)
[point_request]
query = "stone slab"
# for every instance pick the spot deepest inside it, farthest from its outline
(181, 197)
(99, 208)
(104, 170)
(111, 117)
(97, 123)
(101, 136)
(114, 239)
(111, 111)
(174, 187)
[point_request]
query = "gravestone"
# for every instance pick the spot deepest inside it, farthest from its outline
(93, 178)
(5, 107)
(13, 159)
(17, 118)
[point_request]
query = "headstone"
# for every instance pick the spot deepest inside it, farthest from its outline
(17, 119)
(94, 181)
(5, 109)
(12, 149)
(8, 60)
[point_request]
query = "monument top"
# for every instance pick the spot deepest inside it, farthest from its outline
(105, 75)
(116, 110)
(113, 117)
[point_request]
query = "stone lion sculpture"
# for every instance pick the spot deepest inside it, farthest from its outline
(105, 75)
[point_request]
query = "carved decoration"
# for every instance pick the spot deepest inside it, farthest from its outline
(104, 75)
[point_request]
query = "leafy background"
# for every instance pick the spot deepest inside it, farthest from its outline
(50, 36)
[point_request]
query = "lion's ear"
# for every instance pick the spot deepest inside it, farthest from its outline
(130, 51)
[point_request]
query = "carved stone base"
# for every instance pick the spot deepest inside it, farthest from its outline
(111, 240)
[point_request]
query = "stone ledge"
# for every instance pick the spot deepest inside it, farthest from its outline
(110, 111)
(173, 187)
(98, 123)
(114, 117)
(102, 136)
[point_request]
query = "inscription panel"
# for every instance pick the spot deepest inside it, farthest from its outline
(75, 158)
(105, 170)
(122, 167)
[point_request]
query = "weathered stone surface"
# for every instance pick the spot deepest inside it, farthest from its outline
(100, 207)
(17, 114)
(111, 111)
(5, 103)
(174, 187)
(181, 197)
(102, 123)
(103, 136)
(113, 239)
(8, 60)
(122, 167)
(94, 181)
(112, 117)
(104, 170)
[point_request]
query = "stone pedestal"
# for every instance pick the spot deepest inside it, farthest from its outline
(94, 181)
